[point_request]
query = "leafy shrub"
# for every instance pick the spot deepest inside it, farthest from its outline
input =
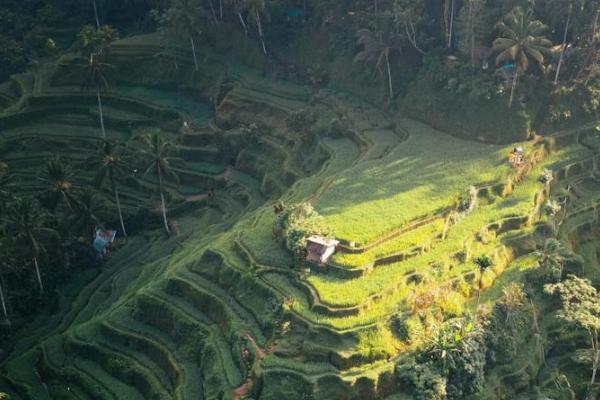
(546, 177)
(424, 379)
(301, 121)
(509, 319)
(297, 223)
(453, 304)
(406, 328)
(376, 344)
(457, 351)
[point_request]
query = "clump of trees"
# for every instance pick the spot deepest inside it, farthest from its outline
(47, 233)
(580, 309)
(296, 223)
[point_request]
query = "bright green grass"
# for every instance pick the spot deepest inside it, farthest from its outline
(425, 173)
(341, 292)
(420, 236)
(513, 273)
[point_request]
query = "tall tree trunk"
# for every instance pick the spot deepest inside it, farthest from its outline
(472, 31)
(213, 12)
(38, 275)
(479, 284)
(4, 309)
(243, 23)
(389, 71)
(513, 87)
(118, 201)
(564, 44)
(446, 20)
(221, 9)
(162, 200)
(595, 361)
(450, 30)
(260, 32)
(595, 26)
(96, 14)
(194, 52)
(376, 6)
(101, 114)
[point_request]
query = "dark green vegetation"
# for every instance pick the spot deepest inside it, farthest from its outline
(215, 136)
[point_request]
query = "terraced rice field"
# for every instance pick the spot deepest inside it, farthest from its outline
(219, 311)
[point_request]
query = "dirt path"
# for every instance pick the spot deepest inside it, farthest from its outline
(243, 389)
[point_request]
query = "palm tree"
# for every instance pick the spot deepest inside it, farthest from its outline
(29, 225)
(377, 48)
(155, 152)
(255, 9)
(520, 40)
(58, 179)
(483, 263)
(110, 166)
(183, 19)
(93, 46)
(96, 40)
(86, 214)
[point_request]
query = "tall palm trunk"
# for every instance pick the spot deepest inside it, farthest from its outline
(564, 44)
(118, 201)
(595, 26)
(479, 288)
(243, 22)
(96, 14)
(213, 12)
(101, 114)
(260, 31)
(38, 275)
(472, 31)
(451, 27)
(3, 301)
(221, 9)
(513, 87)
(595, 361)
(194, 52)
(389, 71)
(162, 200)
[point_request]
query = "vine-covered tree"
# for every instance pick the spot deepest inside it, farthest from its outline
(377, 47)
(410, 17)
(471, 27)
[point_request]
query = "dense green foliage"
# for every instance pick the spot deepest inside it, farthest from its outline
(241, 127)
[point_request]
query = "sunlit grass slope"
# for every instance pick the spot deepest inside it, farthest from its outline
(422, 175)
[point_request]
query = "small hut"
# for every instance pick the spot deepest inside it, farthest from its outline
(319, 249)
(103, 240)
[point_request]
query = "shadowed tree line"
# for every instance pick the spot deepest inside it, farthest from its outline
(47, 232)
